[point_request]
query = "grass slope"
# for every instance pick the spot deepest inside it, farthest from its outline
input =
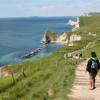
(52, 72)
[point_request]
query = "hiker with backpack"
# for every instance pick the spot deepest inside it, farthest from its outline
(93, 66)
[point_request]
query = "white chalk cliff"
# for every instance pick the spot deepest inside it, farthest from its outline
(74, 24)
(63, 38)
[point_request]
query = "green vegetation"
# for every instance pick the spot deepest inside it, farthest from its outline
(91, 24)
(33, 80)
(51, 35)
(94, 13)
(52, 72)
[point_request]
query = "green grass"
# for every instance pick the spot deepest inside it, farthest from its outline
(50, 72)
(96, 48)
(32, 80)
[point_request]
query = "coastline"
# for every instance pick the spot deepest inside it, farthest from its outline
(28, 37)
(51, 77)
(59, 41)
(62, 40)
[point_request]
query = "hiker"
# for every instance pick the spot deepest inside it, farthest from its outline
(93, 66)
(80, 56)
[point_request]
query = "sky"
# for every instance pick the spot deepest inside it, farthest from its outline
(28, 8)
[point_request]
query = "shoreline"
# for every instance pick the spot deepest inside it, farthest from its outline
(35, 52)
(32, 52)
(32, 35)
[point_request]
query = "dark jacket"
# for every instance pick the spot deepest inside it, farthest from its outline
(88, 68)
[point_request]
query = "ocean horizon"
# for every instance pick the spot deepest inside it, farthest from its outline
(23, 34)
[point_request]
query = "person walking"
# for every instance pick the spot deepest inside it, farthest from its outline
(93, 66)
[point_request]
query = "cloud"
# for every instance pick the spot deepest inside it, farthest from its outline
(54, 10)
(65, 10)
(47, 7)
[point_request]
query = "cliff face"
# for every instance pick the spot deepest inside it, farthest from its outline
(75, 37)
(63, 38)
(74, 24)
(48, 37)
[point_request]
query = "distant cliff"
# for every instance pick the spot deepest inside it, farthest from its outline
(74, 24)
(62, 38)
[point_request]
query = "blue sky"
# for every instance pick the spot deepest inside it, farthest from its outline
(27, 8)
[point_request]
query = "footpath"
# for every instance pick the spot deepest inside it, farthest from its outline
(80, 89)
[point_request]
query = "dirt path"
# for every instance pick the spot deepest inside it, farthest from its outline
(80, 89)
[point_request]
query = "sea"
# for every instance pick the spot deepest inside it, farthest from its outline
(19, 36)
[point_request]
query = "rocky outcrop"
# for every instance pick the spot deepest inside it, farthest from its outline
(63, 38)
(75, 37)
(46, 38)
(74, 24)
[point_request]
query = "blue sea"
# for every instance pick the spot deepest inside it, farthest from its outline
(21, 35)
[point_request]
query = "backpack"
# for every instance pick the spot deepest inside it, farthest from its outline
(94, 65)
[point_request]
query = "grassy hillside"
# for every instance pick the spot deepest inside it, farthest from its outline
(91, 24)
(54, 74)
